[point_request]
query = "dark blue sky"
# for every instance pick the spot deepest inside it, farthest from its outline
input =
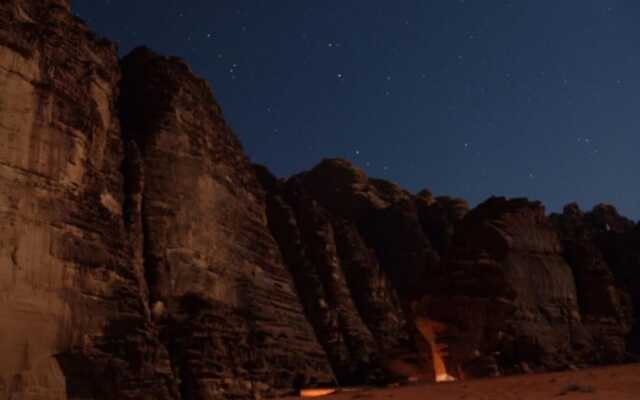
(469, 98)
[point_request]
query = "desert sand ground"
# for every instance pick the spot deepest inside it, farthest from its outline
(610, 383)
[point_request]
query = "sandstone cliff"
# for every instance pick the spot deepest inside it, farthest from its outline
(603, 250)
(225, 304)
(73, 308)
(142, 256)
(506, 294)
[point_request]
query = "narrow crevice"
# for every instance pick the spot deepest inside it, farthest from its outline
(130, 106)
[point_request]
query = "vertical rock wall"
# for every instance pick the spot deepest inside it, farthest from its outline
(603, 250)
(506, 295)
(227, 307)
(357, 250)
(72, 307)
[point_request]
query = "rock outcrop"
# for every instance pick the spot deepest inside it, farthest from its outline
(142, 256)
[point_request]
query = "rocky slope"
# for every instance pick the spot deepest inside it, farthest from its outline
(143, 257)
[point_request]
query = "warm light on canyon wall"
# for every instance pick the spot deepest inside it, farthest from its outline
(428, 329)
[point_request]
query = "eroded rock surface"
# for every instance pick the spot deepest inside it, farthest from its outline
(228, 309)
(505, 293)
(72, 305)
(337, 228)
(603, 248)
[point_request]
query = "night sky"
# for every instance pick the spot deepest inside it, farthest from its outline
(470, 98)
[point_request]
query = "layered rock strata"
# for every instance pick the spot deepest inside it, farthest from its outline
(603, 250)
(73, 309)
(506, 295)
(226, 305)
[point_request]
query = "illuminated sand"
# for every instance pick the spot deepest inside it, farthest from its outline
(611, 383)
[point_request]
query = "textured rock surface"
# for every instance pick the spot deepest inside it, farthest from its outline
(227, 306)
(312, 248)
(357, 249)
(605, 308)
(143, 257)
(439, 217)
(603, 248)
(72, 306)
(505, 294)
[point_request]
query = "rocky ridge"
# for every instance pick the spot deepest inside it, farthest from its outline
(142, 256)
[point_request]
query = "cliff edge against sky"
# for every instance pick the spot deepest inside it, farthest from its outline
(142, 255)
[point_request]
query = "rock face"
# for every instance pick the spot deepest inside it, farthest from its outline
(143, 257)
(72, 304)
(339, 282)
(361, 257)
(602, 249)
(228, 310)
(506, 295)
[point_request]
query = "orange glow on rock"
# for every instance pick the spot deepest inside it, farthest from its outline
(428, 329)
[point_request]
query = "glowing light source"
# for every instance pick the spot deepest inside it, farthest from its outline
(438, 351)
(444, 378)
(317, 392)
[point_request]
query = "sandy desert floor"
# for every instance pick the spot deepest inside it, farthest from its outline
(610, 383)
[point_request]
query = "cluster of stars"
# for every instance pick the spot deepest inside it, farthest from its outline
(467, 84)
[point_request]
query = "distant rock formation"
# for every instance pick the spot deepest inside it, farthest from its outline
(142, 256)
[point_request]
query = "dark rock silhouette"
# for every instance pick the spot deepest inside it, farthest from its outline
(142, 256)
(603, 248)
